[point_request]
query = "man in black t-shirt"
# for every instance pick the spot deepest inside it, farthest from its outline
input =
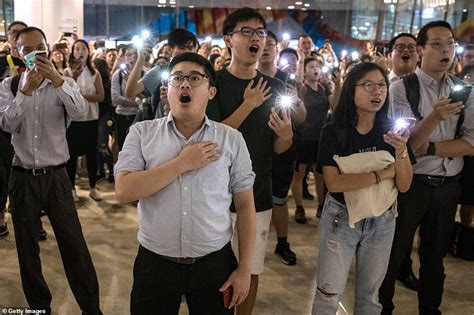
(283, 165)
(245, 100)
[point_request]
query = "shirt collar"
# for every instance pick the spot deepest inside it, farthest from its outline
(427, 80)
(392, 77)
(170, 121)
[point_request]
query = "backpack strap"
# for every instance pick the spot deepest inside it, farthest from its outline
(458, 81)
(11, 65)
(14, 84)
(412, 90)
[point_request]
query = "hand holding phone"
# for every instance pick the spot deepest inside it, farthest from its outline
(459, 93)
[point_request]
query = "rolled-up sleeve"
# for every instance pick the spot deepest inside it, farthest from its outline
(241, 175)
(467, 128)
(131, 157)
(69, 93)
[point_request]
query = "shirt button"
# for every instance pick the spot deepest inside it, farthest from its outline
(36, 149)
(36, 161)
(36, 136)
(36, 107)
(36, 121)
(185, 213)
(185, 188)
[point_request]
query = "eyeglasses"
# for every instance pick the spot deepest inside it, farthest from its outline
(402, 47)
(438, 45)
(370, 87)
(194, 79)
(248, 32)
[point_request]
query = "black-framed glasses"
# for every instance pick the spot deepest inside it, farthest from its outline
(402, 47)
(439, 45)
(194, 79)
(370, 87)
(248, 32)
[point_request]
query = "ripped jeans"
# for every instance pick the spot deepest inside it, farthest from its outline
(370, 241)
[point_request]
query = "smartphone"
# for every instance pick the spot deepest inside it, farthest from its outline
(403, 123)
(30, 59)
(67, 34)
(228, 296)
(380, 51)
(459, 93)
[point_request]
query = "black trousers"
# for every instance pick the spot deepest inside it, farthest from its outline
(82, 139)
(433, 208)
(52, 193)
(123, 123)
(159, 284)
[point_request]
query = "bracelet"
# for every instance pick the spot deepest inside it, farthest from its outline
(377, 177)
(402, 155)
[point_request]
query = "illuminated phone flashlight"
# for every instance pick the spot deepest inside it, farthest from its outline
(285, 101)
(460, 50)
(343, 53)
(123, 66)
(286, 36)
(165, 75)
(355, 55)
(145, 34)
(400, 124)
(325, 69)
(137, 41)
(208, 39)
(283, 62)
(292, 76)
(457, 88)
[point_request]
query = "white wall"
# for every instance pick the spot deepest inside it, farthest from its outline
(52, 16)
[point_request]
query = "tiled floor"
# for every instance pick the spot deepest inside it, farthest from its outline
(110, 230)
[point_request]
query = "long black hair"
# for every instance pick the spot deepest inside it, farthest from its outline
(345, 114)
(88, 60)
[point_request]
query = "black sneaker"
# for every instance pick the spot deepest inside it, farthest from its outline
(43, 235)
(287, 256)
(300, 215)
(307, 195)
(4, 230)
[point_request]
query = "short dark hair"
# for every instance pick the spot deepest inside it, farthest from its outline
(180, 37)
(16, 23)
(345, 114)
(30, 29)
(288, 51)
(311, 59)
(422, 37)
(303, 36)
(272, 35)
(198, 59)
(393, 40)
(241, 15)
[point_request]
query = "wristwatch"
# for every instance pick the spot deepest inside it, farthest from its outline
(431, 149)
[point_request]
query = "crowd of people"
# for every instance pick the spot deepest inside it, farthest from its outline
(209, 140)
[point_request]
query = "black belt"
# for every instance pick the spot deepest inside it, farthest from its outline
(437, 180)
(192, 260)
(38, 171)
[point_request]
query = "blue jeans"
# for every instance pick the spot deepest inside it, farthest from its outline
(370, 241)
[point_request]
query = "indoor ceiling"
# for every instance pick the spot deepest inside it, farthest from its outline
(259, 4)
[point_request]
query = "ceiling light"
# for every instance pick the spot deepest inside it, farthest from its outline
(162, 1)
(298, 3)
(307, 5)
(191, 7)
(268, 8)
(291, 7)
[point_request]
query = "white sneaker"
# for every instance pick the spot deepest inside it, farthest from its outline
(74, 196)
(95, 194)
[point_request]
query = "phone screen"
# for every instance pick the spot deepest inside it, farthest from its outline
(459, 94)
